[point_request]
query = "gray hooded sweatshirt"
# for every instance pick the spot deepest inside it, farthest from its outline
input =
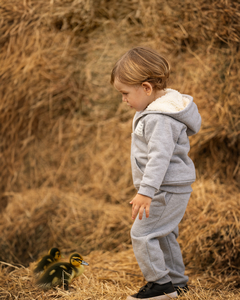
(160, 145)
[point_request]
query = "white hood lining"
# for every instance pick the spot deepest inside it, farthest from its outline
(172, 101)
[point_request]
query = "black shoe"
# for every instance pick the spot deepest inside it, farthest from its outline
(155, 291)
(181, 290)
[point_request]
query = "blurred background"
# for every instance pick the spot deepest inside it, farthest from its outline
(65, 135)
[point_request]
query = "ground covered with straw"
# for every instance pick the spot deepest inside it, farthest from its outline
(65, 141)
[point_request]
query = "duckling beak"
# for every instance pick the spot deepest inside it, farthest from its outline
(84, 263)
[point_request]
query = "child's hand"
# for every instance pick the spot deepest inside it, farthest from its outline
(139, 203)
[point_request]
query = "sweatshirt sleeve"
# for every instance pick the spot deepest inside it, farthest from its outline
(161, 133)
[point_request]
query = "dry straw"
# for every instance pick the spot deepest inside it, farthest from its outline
(56, 59)
(35, 221)
(65, 139)
(38, 219)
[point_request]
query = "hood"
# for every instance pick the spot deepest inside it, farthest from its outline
(178, 106)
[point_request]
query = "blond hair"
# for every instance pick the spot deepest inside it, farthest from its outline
(141, 64)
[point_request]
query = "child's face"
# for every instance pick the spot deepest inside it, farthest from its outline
(137, 97)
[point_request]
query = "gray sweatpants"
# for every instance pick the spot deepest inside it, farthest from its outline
(154, 240)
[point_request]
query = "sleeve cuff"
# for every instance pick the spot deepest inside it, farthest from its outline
(147, 190)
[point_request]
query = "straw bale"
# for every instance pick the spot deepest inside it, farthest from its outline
(84, 156)
(210, 230)
(49, 75)
(66, 137)
(215, 149)
(37, 220)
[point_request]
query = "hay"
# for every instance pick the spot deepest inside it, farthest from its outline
(108, 276)
(50, 78)
(210, 231)
(215, 149)
(65, 139)
(36, 220)
(39, 219)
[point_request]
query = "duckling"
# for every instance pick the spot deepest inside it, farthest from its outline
(62, 272)
(54, 255)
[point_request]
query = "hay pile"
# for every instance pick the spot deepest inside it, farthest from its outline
(65, 136)
(37, 219)
(210, 232)
(55, 62)
(108, 277)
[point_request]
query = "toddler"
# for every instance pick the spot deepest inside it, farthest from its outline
(161, 168)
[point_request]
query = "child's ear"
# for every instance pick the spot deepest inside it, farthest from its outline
(147, 88)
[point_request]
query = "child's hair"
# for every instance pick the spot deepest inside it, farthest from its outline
(141, 64)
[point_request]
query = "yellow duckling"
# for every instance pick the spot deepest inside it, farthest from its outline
(54, 255)
(62, 272)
